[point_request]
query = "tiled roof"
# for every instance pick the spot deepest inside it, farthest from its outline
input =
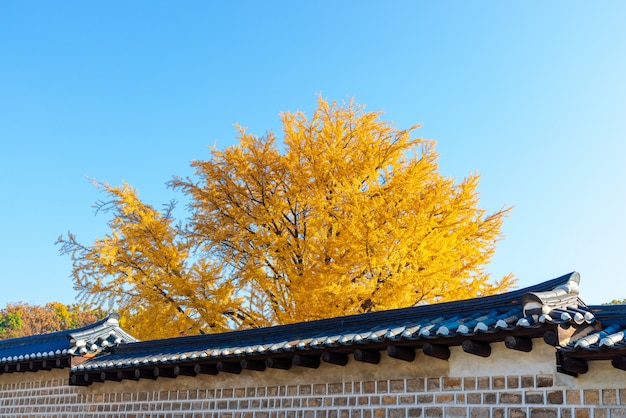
(513, 317)
(56, 349)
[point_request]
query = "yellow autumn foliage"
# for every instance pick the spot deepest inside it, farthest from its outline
(346, 214)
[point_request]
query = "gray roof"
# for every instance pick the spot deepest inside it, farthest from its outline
(513, 317)
(55, 349)
(516, 317)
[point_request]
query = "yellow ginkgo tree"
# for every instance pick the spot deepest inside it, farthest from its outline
(345, 214)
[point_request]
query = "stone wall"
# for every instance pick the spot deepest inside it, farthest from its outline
(507, 384)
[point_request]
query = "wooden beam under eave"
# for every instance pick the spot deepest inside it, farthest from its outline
(312, 362)
(234, 368)
(256, 365)
(477, 348)
(367, 356)
(278, 363)
(95, 377)
(519, 343)
(169, 372)
(340, 359)
(572, 366)
(438, 351)
(206, 369)
(401, 353)
(79, 380)
(189, 370)
(619, 362)
(115, 375)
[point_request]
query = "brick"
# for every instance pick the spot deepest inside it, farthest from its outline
(406, 399)
(497, 382)
(609, 397)
(533, 397)
(516, 413)
(566, 413)
(455, 411)
(460, 398)
(554, 397)
(368, 387)
(618, 412)
(489, 398)
(469, 383)
(479, 412)
(314, 402)
(425, 398)
(304, 390)
(433, 412)
(433, 384)
(582, 413)
(572, 397)
(484, 382)
(335, 388)
(396, 386)
(396, 413)
(511, 397)
(452, 383)
(340, 401)
(528, 382)
(319, 389)
(545, 380)
(512, 382)
(544, 413)
(415, 385)
(600, 413)
(389, 400)
(414, 413)
(382, 386)
(474, 398)
(591, 397)
(444, 398)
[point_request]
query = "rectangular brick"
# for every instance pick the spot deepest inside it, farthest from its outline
(490, 398)
(368, 387)
(554, 397)
(396, 386)
(511, 397)
(469, 383)
(544, 413)
(512, 382)
(545, 380)
(433, 384)
(497, 382)
(572, 397)
(533, 397)
(415, 385)
(528, 382)
(609, 397)
(444, 398)
(591, 397)
(452, 383)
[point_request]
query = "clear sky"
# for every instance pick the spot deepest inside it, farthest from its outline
(531, 95)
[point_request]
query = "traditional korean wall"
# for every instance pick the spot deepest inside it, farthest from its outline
(506, 384)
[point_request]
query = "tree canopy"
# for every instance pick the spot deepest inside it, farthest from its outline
(22, 319)
(346, 214)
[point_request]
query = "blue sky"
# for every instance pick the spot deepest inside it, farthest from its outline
(531, 95)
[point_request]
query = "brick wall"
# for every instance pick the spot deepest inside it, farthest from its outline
(423, 388)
